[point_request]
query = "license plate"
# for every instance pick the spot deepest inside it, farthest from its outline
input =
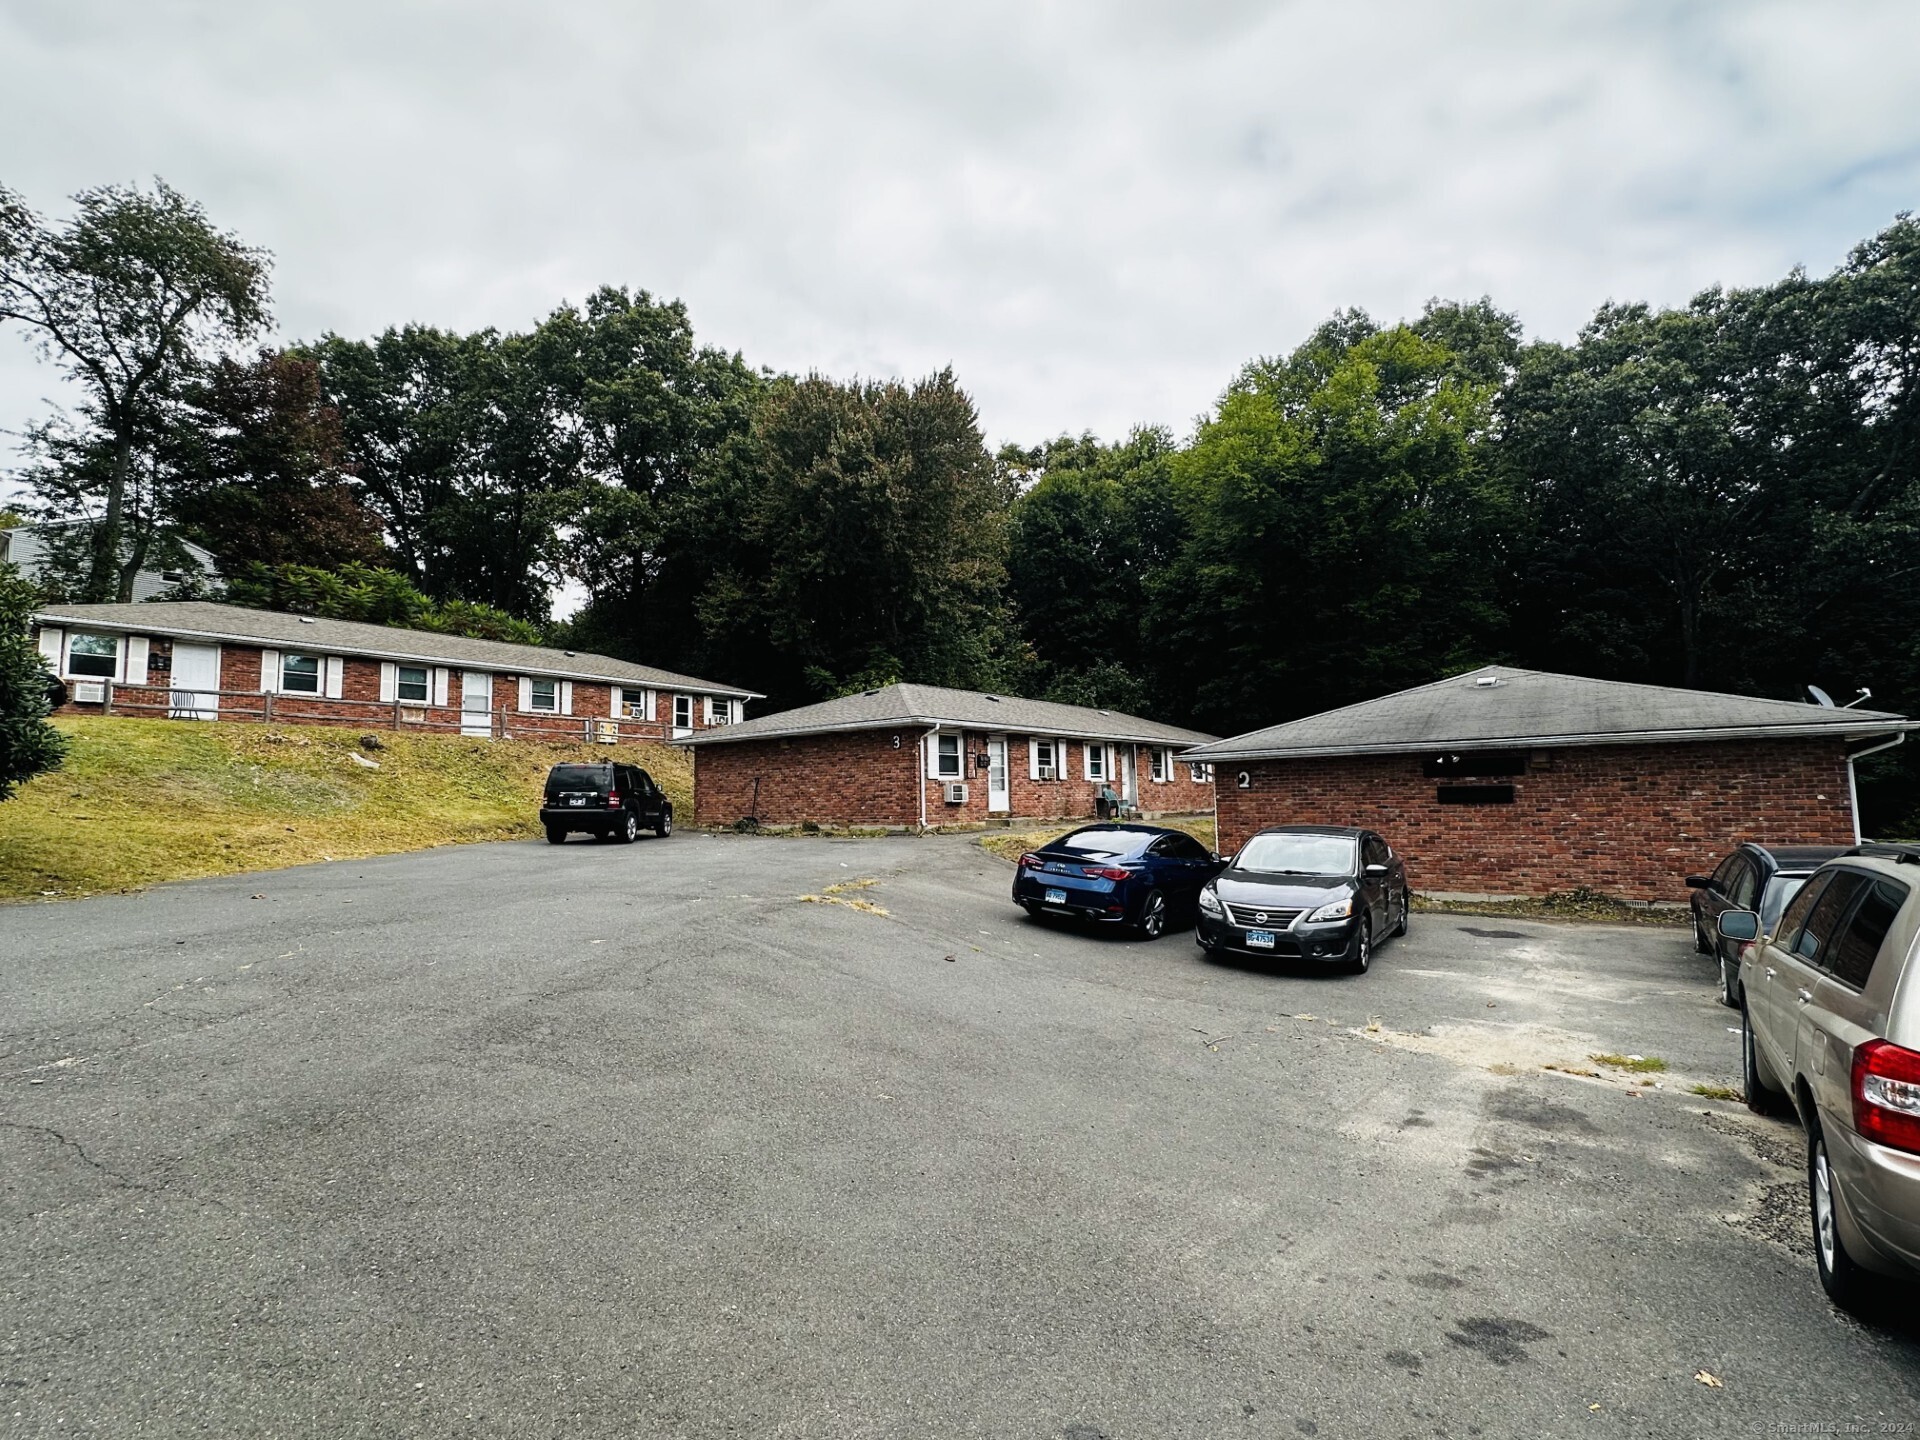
(576, 800)
(1260, 939)
(1056, 897)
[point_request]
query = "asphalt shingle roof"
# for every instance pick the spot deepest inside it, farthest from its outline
(935, 705)
(1499, 706)
(200, 618)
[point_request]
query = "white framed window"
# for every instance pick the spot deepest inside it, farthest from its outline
(1096, 762)
(412, 683)
(1200, 771)
(301, 674)
(948, 758)
(1045, 759)
(93, 655)
(635, 705)
(719, 712)
(1159, 766)
(543, 695)
(683, 712)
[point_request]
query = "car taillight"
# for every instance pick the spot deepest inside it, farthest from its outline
(1106, 872)
(1886, 1095)
(613, 797)
(1032, 862)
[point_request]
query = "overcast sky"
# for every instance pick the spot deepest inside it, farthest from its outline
(1095, 212)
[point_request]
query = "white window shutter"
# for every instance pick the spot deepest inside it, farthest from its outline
(932, 743)
(440, 684)
(1086, 762)
(136, 660)
(566, 697)
(336, 677)
(706, 709)
(51, 640)
(1033, 758)
(648, 699)
(389, 680)
(526, 693)
(615, 698)
(269, 672)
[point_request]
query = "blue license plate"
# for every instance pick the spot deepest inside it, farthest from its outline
(1260, 939)
(1056, 897)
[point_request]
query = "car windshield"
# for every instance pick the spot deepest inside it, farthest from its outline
(1105, 842)
(1780, 889)
(579, 777)
(1292, 853)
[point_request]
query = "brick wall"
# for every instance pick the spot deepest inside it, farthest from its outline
(857, 778)
(360, 704)
(862, 778)
(1628, 820)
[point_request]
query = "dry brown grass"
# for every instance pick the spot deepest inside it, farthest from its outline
(142, 801)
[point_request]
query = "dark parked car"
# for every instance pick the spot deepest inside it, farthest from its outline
(1755, 877)
(607, 800)
(1138, 875)
(1314, 892)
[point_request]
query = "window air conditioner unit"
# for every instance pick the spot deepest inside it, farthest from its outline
(89, 692)
(957, 794)
(1046, 772)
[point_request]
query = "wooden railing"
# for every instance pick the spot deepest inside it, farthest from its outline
(118, 697)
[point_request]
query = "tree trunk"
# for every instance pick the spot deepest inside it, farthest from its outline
(101, 584)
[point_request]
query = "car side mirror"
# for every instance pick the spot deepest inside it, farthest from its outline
(1699, 882)
(1739, 925)
(1376, 869)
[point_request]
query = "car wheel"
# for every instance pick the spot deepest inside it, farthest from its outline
(665, 827)
(555, 835)
(1406, 913)
(630, 831)
(1841, 1276)
(1762, 1098)
(1729, 984)
(1362, 948)
(1153, 915)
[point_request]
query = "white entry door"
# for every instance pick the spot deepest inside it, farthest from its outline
(998, 796)
(1124, 754)
(476, 703)
(195, 682)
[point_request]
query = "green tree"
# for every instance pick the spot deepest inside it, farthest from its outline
(259, 459)
(376, 596)
(869, 542)
(1341, 532)
(28, 743)
(126, 298)
(1090, 524)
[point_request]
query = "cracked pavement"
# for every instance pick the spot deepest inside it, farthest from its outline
(629, 1141)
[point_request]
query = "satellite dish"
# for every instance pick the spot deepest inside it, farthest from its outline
(1821, 697)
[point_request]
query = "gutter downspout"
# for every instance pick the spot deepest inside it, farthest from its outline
(920, 773)
(1853, 789)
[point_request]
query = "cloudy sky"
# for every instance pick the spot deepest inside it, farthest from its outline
(1095, 212)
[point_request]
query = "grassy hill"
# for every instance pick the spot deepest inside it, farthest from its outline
(141, 801)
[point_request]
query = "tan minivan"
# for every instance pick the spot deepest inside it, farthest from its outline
(1832, 1012)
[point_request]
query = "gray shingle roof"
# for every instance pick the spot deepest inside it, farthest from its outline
(1535, 709)
(934, 705)
(200, 618)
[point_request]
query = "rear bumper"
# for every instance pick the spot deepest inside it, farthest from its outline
(1880, 1200)
(1331, 941)
(1107, 905)
(567, 818)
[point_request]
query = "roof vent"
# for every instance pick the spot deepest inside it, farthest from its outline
(1487, 682)
(994, 698)
(308, 620)
(566, 652)
(864, 694)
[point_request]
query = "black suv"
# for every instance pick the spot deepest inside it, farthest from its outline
(613, 802)
(1754, 877)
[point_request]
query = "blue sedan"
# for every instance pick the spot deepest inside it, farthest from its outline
(1137, 875)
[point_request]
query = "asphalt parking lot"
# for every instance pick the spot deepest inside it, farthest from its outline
(633, 1141)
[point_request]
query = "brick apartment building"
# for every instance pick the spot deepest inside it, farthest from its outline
(194, 660)
(1515, 782)
(914, 756)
